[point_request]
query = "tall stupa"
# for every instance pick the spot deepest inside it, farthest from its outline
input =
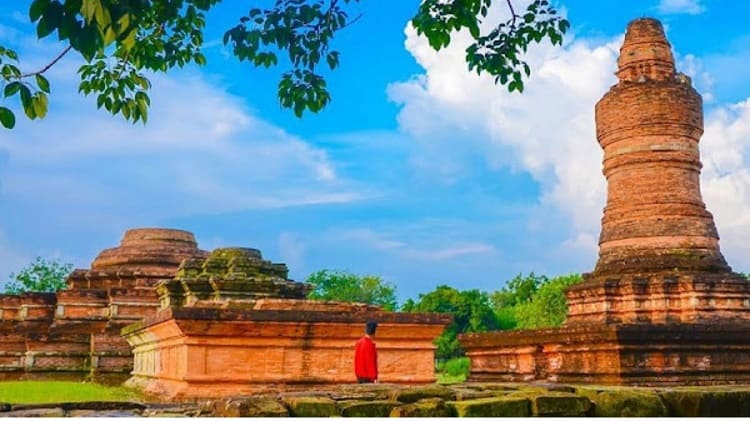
(662, 307)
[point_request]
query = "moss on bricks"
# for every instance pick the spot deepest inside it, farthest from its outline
(380, 408)
(251, 407)
(414, 394)
(311, 406)
(431, 407)
(495, 386)
(729, 403)
(492, 407)
(614, 402)
(682, 403)
(468, 394)
(559, 404)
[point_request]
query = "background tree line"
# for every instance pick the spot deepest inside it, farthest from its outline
(525, 302)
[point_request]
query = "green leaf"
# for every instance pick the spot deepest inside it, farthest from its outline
(12, 88)
(44, 28)
(27, 102)
(333, 59)
(43, 83)
(129, 41)
(39, 103)
(7, 118)
(37, 8)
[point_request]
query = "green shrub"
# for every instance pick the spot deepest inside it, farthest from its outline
(457, 366)
(548, 306)
(39, 276)
(471, 311)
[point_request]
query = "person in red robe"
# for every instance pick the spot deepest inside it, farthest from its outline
(366, 356)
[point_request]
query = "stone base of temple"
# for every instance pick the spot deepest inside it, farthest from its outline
(626, 354)
(211, 352)
(660, 297)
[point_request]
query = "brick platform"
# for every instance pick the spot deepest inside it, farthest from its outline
(233, 324)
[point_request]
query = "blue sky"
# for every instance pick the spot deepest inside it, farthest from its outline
(418, 171)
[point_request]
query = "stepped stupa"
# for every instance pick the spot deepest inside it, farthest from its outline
(662, 305)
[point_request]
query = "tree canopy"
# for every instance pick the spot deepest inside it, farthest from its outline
(531, 301)
(41, 275)
(548, 306)
(123, 41)
(345, 286)
(471, 312)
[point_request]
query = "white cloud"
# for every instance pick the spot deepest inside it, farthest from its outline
(673, 7)
(547, 131)
(725, 180)
(451, 252)
(202, 152)
(418, 247)
(367, 237)
(702, 79)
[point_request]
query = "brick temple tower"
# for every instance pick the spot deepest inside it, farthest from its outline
(659, 257)
(649, 126)
(661, 306)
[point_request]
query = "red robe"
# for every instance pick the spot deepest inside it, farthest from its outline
(366, 359)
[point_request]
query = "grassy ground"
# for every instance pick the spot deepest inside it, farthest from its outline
(445, 378)
(54, 392)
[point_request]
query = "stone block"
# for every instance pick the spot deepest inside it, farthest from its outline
(492, 407)
(682, 403)
(468, 394)
(707, 403)
(431, 407)
(622, 402)
(379, 408)
(311, 406)
(251, 407)
(413, 394)
(37, 413)
(560, 405)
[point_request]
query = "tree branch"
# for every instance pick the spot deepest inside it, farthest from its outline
(512, 11)
(356, 18)
(52, 63)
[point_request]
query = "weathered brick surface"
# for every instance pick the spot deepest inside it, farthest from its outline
(661, 306)
(232, 323)
(649, 126)
(77, 331)
(659, 258)
(629, 354)
(206, 357)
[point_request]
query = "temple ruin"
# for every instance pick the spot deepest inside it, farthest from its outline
(232, 323)
(661, 306)
(75, 333)
(200, 324)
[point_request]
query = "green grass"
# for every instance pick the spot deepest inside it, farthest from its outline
(29, 392)
(445, 378)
